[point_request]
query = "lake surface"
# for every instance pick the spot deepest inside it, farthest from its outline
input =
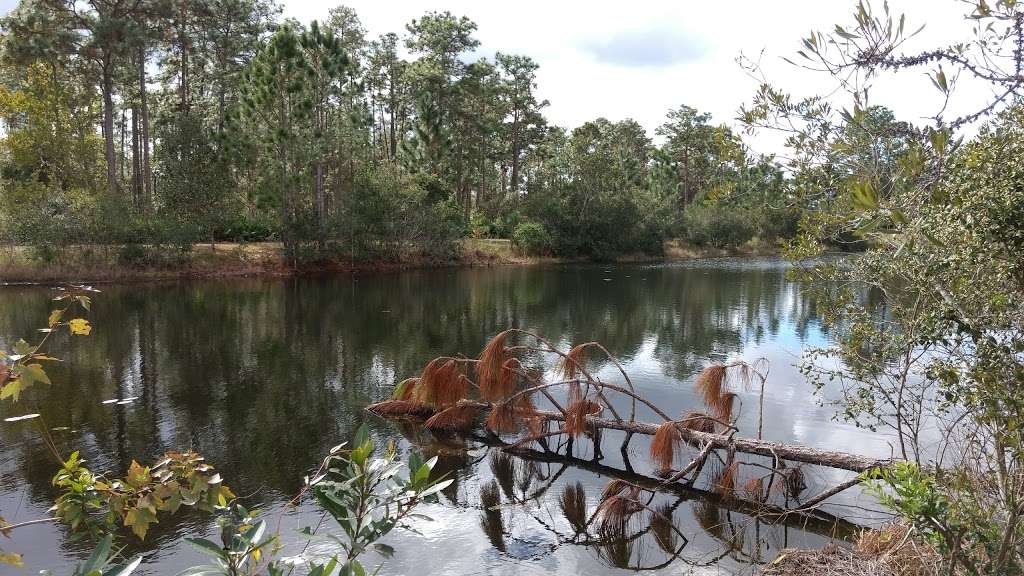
(264, 376)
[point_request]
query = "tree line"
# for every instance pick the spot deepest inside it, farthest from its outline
(171, 122)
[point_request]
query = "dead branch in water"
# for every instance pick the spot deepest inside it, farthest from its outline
(505, 403)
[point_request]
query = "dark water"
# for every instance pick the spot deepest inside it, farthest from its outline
(264, 376)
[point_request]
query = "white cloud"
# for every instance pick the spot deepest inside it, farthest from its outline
(639, 59)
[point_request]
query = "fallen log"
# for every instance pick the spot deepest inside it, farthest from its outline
(792, 452)
(813, 520)
(510, 379)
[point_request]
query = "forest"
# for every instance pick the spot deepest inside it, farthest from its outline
(158, 124)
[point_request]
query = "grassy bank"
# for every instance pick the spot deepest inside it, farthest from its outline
(103, 263)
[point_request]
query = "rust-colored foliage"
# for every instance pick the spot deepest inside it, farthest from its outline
(570, 364)
(698, 422)
(575, 393)
(618, 504)
(537, 426)
(576, 416)
(665, 444)
(442, 383)
(408, 408)
(710, 382)
(725, 486)
(508, 379)
(510, 415)
(455, 418)
(490, 366)
(722, 410)
(614, 488)
(711, 385)
(754, 488)
(502, 418)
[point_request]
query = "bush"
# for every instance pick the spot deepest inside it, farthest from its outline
(718, 226)
(532, 238)
(247, 229)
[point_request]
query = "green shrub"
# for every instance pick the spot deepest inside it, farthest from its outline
(532, 238)
(718, 226)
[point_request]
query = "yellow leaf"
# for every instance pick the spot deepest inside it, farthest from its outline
(55, 317)
(138, 476)
(11, 558)
(11, 390)
(139, 519)
(80, 327)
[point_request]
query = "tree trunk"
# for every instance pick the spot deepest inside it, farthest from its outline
(108, 127)
(147, 172)
(183, 41)
(137, 193)
(393, 142)
(514, 184)
(320, 204)
(121, 158)
(794, 452)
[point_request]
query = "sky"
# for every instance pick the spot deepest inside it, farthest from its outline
(640, 58)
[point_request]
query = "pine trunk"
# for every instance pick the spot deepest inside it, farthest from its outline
(108, 127)
(147, 172)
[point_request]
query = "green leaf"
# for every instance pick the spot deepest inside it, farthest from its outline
(361, 437)
(99, 555)
(123, 570)
(384, 550)
(34, 373)
(21, 347)
(207, 547)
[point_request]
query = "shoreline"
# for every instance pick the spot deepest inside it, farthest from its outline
(99, 264)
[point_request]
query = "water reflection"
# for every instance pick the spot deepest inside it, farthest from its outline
(264, 376)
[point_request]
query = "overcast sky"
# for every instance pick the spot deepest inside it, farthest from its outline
(639, 58)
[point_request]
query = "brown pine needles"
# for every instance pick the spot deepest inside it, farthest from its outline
(510, 416)
(576, 416)
(490, 366)
(711, 386)
(442, 383)
(571, 363)
(400, 408)
(698, 422)
(618, 505)
(754, 489)
(456, 418)
(725, 486)
(665, 444)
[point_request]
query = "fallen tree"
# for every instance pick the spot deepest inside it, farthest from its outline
(509, 383)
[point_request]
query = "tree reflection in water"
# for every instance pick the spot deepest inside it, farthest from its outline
(264, 376)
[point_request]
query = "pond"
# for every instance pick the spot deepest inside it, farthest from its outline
(264, 376)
